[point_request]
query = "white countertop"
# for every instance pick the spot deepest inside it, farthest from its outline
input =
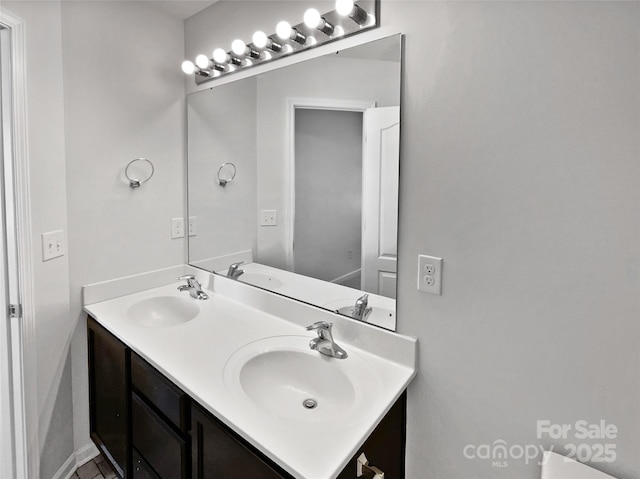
(193, 355)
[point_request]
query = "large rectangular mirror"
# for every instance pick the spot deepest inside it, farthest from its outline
(294, 172)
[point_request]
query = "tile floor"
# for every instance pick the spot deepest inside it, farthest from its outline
(97, 468)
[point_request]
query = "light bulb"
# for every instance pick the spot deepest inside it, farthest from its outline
(219, 55)
(283, 30)
(355, 12)
(344, 7)
(188, 67)
(238, 47)
(312, 18)
(260, 39)
(202, 61)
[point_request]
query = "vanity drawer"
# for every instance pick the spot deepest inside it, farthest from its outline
(169, 400)
(141, 470)
(158, 444)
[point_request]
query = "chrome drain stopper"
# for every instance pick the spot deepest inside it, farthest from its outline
(310, 403)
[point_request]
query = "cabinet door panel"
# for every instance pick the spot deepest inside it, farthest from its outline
(162, 448)
(217, 454)
(108, 391)
(385, 447)
(141, 470)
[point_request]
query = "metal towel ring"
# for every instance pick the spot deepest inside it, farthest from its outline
(224, 181)
(135, 182)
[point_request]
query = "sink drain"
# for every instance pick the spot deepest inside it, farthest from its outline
(310, 403)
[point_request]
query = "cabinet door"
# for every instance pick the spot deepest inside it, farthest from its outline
(385, 447)
(108, 393)
(161, 447)
(218, 454)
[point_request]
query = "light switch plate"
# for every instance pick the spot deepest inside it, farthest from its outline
(52, 245)
(430, 274)
(177, 228)
(268, 218)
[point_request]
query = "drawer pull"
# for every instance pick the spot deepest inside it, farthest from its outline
(367, 471)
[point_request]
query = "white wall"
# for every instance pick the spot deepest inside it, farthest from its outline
(46, 150)
(519, 166)
(222, 129)
(124, 99)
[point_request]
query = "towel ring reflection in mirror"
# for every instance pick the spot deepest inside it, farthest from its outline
(229, 177)
(135, 182)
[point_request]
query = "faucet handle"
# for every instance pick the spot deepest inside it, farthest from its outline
(189, 278)
(319, 325)
(364, 299)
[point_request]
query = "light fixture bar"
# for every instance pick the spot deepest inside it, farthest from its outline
(349, 18)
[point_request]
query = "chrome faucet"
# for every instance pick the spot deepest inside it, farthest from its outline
(324, 343)
(361, 310)
(234, 272)
(194, 288)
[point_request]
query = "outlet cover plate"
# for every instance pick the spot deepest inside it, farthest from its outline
(177, 228)
(430, 274)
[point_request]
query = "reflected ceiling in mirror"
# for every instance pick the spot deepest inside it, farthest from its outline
(294, 172)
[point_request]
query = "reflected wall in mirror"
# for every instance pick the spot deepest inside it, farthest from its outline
(312, 210)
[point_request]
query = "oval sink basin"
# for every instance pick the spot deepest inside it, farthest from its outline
(282, 376)
(163, 311)
(261, 280)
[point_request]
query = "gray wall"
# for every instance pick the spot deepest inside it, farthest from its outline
(123, 99)
(315, 79)
(519, 166)
(222, 129)
(328, 192)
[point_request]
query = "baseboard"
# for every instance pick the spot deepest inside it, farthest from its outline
(86, 453)
(67, 469)
(75, 460)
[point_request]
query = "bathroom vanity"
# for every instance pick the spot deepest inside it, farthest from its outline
(183, 388)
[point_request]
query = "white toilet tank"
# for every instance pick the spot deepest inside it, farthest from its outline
(556, 466)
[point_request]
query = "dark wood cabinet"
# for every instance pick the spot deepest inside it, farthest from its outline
(109, 395)
(148, 428)
(218, 453)
(164, 450)
(385, 447)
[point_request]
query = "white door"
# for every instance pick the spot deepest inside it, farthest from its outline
(6, 427)
(8, 270)
(381, 160)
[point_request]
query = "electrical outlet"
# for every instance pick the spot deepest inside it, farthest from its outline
(430, 274)
(52, 245)
(177, 228)
(268, 218)
(192, 225)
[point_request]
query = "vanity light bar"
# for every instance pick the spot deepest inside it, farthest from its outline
(347, 19)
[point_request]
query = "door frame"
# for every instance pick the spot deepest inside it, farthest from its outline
(290, 156)
(23, 334)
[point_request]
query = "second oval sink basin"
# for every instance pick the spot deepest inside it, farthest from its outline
(281, 375)
(163, 311)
